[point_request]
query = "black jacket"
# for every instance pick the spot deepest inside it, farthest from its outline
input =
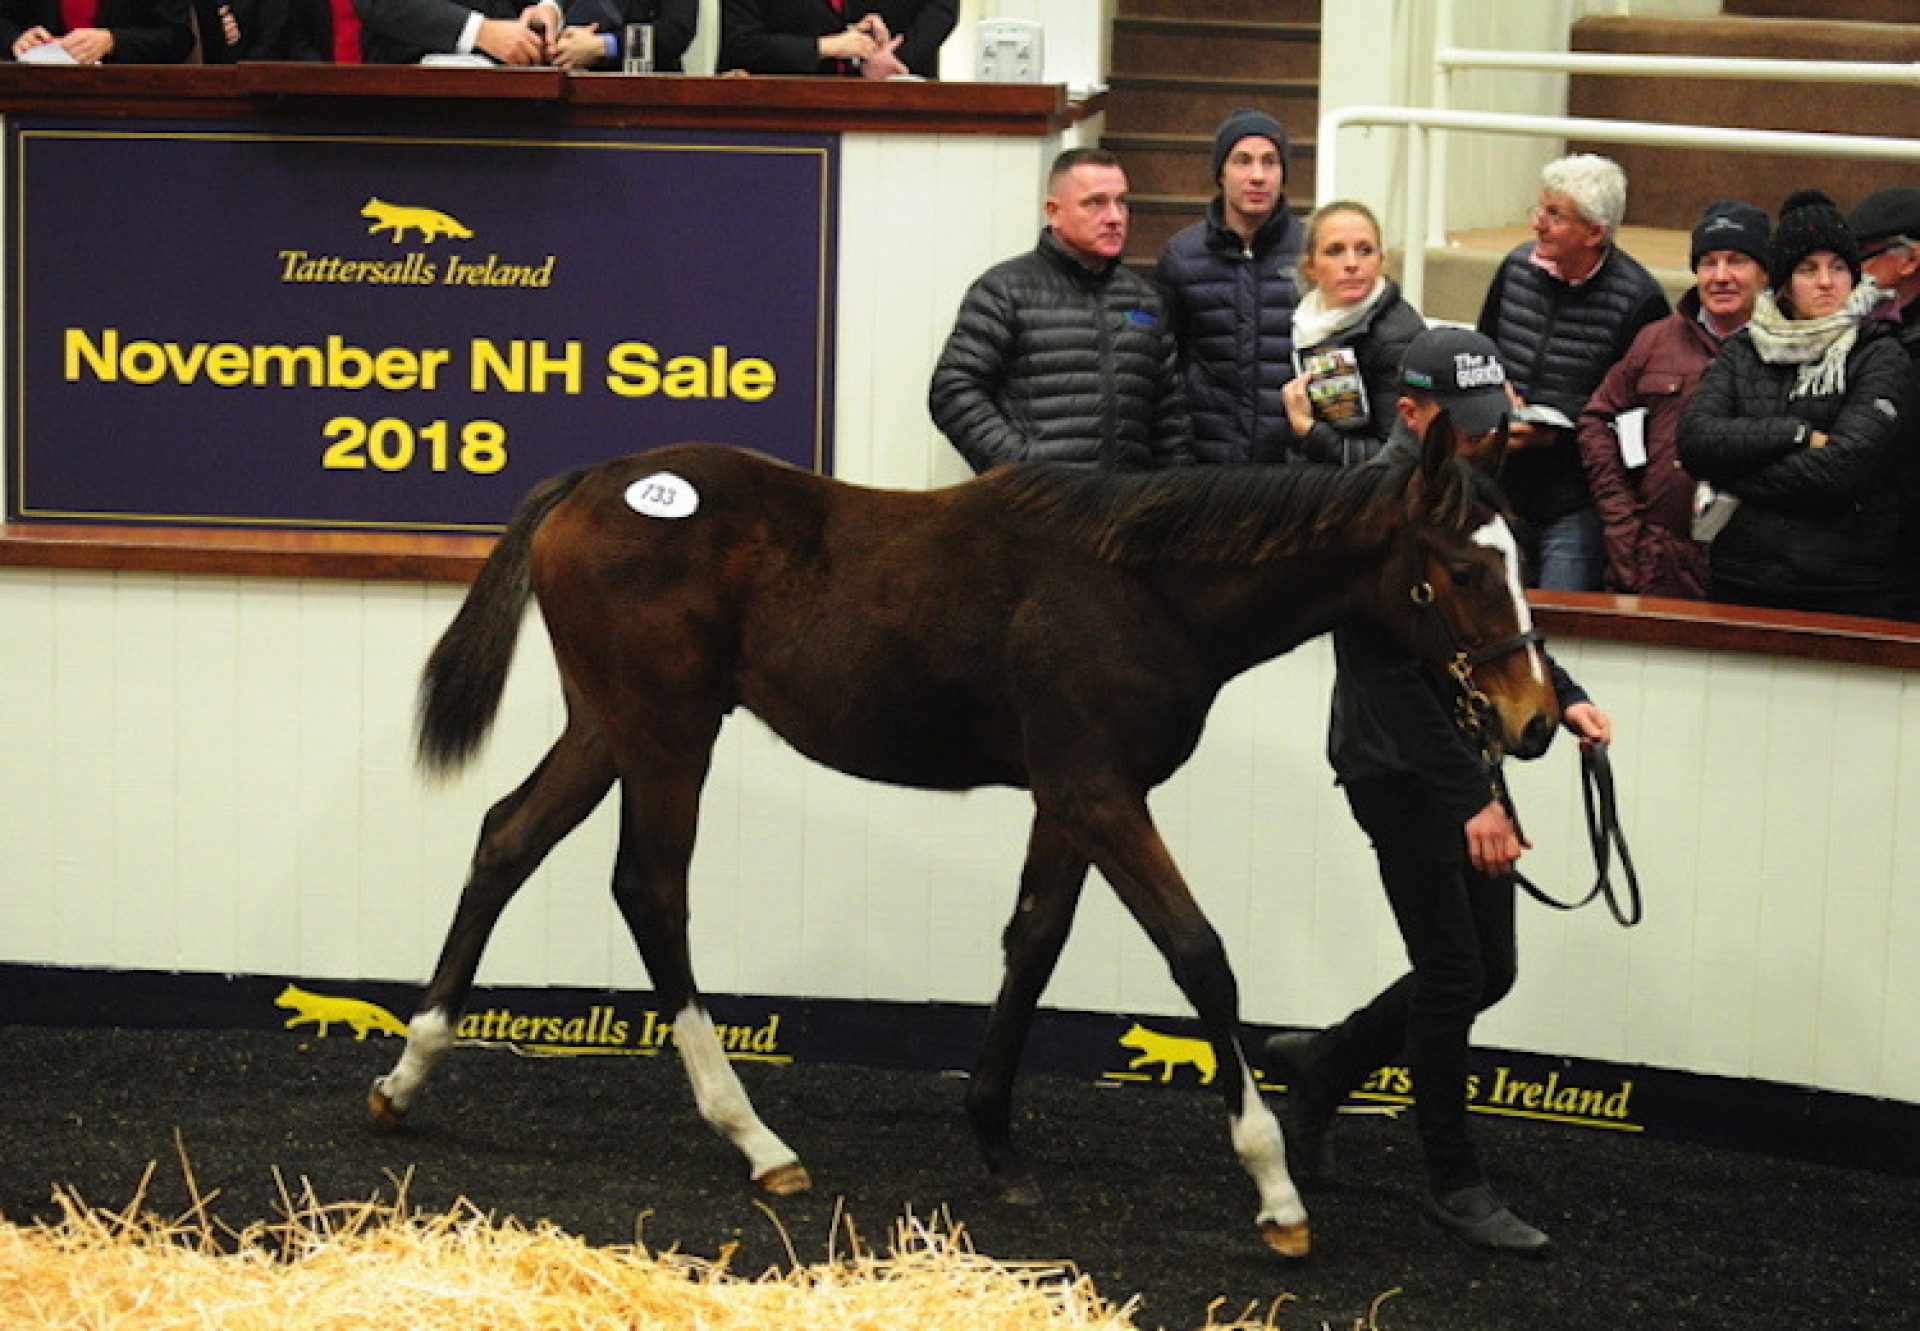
(1393, 716)
(1232, 310)
(1558, 340)
(1379, 341)
(145, 32)
(1050, 361)
(1814, 524)
(780, 36)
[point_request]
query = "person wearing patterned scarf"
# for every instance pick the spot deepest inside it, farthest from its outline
(1800, 420)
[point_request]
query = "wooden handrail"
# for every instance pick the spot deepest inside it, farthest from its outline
(264, 90)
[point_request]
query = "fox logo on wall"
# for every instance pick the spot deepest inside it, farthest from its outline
(1169, 1051)
(400, 219)
(322, 1011)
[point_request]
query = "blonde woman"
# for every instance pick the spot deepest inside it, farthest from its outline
(1349, 334)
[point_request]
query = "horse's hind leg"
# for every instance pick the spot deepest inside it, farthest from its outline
(1120, 838)
(515, 836)
(660, 810)
(1050, 884)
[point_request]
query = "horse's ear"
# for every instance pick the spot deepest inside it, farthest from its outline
(1439, 480)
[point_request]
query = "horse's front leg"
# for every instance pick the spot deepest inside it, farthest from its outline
(1050, 884)
(1121, 840)
(515, 836)
(659, 812)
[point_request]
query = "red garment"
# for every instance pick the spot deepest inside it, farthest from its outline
(1647, 512)
(346, 33)
(75, 14)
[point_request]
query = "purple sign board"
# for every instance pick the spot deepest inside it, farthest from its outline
(320, 328)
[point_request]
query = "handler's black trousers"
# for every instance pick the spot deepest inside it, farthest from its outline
(1458, 928)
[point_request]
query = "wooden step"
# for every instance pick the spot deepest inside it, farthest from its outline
(1183, 164)
(1225, 48)
(1667, 187)
(1275, 11)
(1826, 11)
(1186, 105)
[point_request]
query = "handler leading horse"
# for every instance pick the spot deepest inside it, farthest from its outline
(1060, 630)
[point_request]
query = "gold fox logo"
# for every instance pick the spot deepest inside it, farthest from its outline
(1168, 1051)
(400, 219)
(322, 1011)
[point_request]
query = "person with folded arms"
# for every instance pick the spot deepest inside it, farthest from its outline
(1799, 422)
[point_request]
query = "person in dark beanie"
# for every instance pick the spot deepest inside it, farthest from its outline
(1630, 428)
(1887, 223)
(1230, 283)
(1562, 309)
(1799, 422)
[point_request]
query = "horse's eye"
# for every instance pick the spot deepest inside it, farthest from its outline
(1469, 577)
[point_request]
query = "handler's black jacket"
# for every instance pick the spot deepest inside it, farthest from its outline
(1393, 715)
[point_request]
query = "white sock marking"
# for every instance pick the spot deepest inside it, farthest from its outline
(1263, 1154)
(429, 1037)
(720, 1096)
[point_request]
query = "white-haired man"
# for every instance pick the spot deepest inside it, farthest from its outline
(1563, 308)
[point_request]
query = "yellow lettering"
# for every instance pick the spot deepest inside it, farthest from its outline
(686, 377)
(631, 369)
(752, 380)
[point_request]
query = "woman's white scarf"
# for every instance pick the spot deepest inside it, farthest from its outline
(1820, 347)
(1314, 322)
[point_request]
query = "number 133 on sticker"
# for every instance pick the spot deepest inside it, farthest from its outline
(388, 444)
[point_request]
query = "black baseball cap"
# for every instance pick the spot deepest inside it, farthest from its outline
(1461, 370)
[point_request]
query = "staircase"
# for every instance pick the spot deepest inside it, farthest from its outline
(1179, 68)
(1669, 186)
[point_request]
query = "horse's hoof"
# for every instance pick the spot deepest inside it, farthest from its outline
(387, 1116)
(1021, 1191)
(1292, 1242)
(785, 1180)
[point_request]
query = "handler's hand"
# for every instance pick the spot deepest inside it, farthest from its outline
(1589, 723)
(1493, 842)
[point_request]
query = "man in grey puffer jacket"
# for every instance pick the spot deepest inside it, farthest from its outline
(1063, 354)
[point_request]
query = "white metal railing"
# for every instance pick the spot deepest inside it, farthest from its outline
(1427, 162)
(1423, 121)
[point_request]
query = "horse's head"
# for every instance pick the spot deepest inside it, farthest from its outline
(1455, 597)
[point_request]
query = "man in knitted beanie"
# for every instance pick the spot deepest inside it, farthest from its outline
(1230, 284)
(1629, 428)
(1887, 223)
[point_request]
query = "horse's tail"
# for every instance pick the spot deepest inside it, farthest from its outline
(465, 676)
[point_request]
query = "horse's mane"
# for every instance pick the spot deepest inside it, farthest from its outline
(1219, 515)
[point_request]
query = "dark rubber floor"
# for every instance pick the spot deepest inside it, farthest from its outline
(1142, 1192)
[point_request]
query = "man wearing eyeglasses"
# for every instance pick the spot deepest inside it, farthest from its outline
(1887, 224)
(1562, 309)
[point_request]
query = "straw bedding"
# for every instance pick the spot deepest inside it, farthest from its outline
(559, 1181)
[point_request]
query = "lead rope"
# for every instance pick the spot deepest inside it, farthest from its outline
(1472, 707)
(1603, 836)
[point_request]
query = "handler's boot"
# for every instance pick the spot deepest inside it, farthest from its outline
(1292, 1057)
(1482, 1219)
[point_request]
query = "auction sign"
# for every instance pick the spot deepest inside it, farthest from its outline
(212, 324)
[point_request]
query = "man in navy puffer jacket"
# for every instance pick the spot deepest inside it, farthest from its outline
(1232, 283)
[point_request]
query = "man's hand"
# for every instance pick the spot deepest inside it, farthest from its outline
(511, 42)
(88, 46)
(32, 37)
(1588, 722)
(1493, 842)
(853, 44)
(884, 64)
(580, 48)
